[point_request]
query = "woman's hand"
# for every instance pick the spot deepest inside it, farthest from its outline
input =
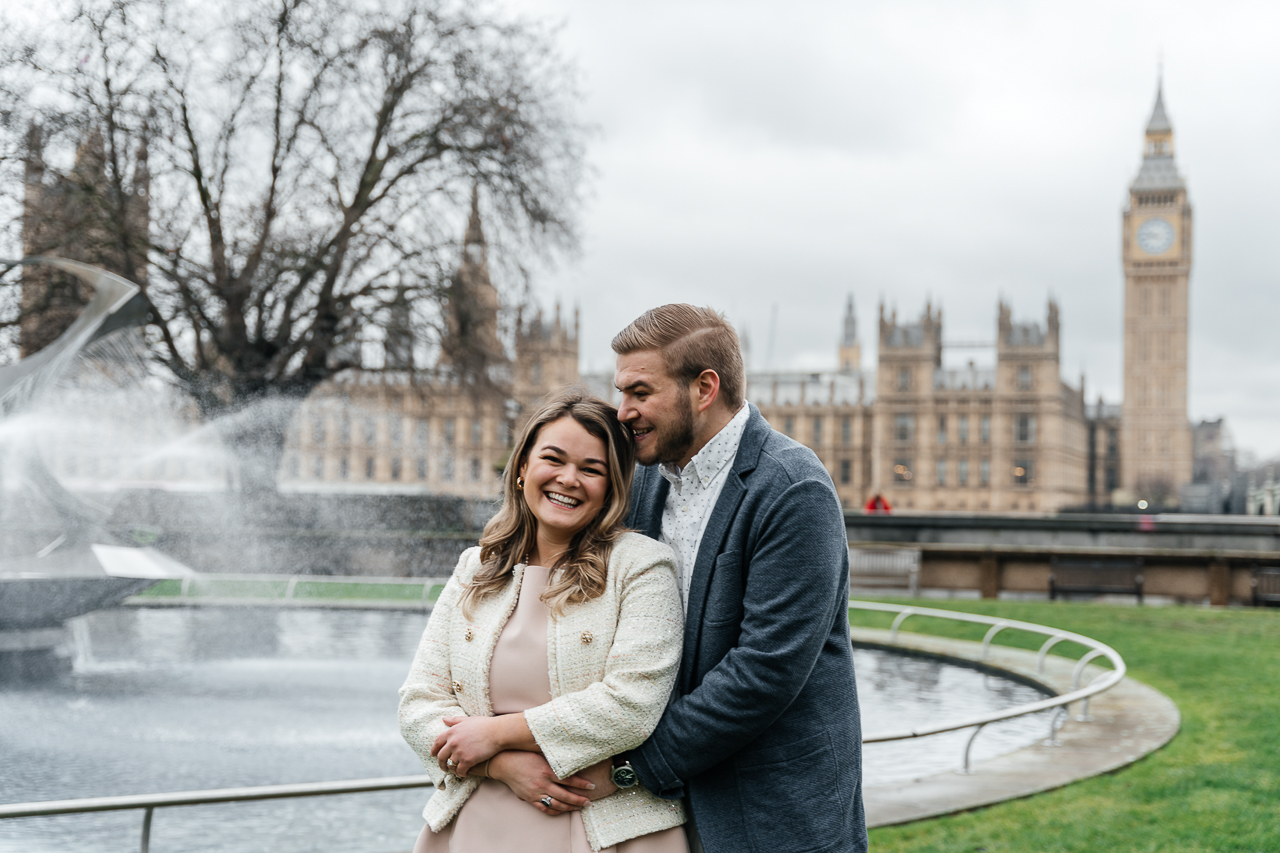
(467, 742)
(601, 775)
(470, 740)
(529, 777)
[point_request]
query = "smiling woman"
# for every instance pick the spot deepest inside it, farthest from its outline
(559, 600)
(571, 422)
(564, 482)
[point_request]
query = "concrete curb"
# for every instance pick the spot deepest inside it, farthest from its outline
(1128, 722)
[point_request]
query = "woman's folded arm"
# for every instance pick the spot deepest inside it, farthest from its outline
(579, 729)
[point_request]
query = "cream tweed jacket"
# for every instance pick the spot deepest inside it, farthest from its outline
(612, 662)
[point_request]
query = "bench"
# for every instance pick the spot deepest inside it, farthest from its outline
(1098, 577)
(1266, 586)
(885, 568)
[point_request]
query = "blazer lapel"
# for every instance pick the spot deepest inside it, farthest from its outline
(709, 548)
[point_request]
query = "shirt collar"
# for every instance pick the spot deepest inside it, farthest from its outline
(708, 462)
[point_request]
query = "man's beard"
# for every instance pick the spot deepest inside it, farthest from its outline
(673, 440)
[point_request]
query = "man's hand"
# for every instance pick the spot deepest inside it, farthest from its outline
(529, 776)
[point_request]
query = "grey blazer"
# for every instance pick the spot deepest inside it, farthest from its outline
(762, 736)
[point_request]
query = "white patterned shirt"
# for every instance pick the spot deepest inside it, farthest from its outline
(693, 494)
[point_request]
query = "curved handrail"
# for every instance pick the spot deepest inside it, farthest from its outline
(216, 795)
(991, 635)
(1103, 681)
(150, 802)
(1044, 650)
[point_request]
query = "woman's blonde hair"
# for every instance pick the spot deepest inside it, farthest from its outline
(579, 574)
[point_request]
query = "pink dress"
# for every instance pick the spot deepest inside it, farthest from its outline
(494, 819)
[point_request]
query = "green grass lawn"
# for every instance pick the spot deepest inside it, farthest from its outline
(384, 592)
(210, 586)
(1215, 787)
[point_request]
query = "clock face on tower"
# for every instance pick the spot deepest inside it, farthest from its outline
(1155, 236)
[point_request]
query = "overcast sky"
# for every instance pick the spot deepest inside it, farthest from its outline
(753, 155)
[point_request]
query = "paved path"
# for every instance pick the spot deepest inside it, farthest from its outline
(1129, 721)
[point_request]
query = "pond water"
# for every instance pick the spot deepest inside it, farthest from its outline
(169, 700)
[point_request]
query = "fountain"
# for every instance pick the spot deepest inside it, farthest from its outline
(57, 559)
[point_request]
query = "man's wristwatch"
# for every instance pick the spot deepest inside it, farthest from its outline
(624, 775)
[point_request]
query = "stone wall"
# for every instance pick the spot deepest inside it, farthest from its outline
(380, 535)
(1185, 558)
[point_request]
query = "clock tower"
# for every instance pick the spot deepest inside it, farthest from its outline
(1155, 434)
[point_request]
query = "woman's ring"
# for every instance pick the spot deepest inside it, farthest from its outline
(449, 763)
(546, 801)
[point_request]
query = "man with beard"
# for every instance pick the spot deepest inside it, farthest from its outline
(762, 737)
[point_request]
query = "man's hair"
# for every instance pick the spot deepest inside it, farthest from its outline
(691, 340)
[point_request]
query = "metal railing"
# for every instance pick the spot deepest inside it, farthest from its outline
(1104, 680)
(151, 802)
(1094, 649)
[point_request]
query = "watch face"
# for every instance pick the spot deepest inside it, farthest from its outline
(1155, 236)
(624, 776)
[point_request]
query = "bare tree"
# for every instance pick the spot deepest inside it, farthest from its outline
(274, 173)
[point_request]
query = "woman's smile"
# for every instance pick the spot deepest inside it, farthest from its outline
(563, 500)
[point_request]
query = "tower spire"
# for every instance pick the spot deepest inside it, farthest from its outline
(850, 336)
(471, 344)
(1159, 122)
(1158, 172)
(850, 351)
(475, 234)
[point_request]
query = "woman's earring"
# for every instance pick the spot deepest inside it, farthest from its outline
(519, 484)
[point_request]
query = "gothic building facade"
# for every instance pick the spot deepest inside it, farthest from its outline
(445, 428)
(1017, 437)
(1008, 438)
